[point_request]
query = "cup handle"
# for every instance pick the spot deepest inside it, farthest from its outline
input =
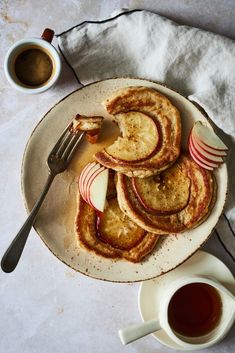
(48, 35)
(132, 333)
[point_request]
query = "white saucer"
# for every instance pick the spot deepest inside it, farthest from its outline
(151, 292)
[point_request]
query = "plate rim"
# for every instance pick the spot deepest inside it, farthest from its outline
(197, 106)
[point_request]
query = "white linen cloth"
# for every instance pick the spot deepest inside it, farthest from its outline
(196, 63)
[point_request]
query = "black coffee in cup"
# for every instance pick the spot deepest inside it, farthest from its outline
(33, 66)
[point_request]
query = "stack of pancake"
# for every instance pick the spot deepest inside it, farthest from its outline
(154, 188)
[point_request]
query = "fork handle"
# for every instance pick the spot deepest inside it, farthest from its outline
(12, 255)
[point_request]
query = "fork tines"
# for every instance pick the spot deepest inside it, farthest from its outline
(66, 144)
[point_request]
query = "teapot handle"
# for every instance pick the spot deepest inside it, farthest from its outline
(132, 333)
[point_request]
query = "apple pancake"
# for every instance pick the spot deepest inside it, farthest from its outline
(139, 137)
(168, 197)
(112, 234)
(150, 127)
(162, 211)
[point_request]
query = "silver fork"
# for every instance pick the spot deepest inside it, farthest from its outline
(57, 161)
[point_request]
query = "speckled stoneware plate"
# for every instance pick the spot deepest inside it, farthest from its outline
(55, 222)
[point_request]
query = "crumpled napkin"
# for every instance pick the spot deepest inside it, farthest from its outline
(196, 63)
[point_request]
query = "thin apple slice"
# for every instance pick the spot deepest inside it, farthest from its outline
(98, 190)
(83, 173)
(208, 137)
(86, 171)
(139, 137)
(85, 176)
(88, 179)
(201, 164)
(202, 159)
(208, 149)
(88, 184)
(203, 154)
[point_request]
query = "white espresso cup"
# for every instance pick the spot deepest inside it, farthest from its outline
(45, 48)
(227, 317)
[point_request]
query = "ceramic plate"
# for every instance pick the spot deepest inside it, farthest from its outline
(151, 292)
(55, 222)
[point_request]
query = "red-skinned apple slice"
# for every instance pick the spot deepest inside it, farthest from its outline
(80, 179)
(97, 190)
(82, 175)
(93, 186)
(85, 176)
(88, 178)
(201, 164)
(206, 156)
(201, 159)
(208, 137)
(208, 149)
(87, 185)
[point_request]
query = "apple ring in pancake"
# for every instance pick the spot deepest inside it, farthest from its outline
(150, 128)
(168, 197)
(201, 199)
(113, 234)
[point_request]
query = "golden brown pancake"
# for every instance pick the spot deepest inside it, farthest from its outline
(112, 234)
(167, 120)
(199, 198)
